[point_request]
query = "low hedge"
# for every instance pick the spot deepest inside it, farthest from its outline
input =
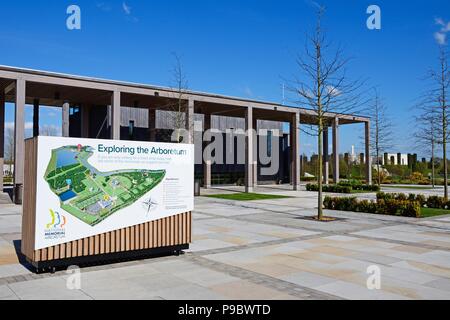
(342, 188)
(434, 202)
(404, 208)
(329, 188)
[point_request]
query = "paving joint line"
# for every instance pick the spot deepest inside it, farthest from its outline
(261, 279)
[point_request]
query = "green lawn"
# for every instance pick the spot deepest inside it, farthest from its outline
(428, 212)
(246, 196)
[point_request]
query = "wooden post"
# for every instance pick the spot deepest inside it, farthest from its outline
(336, 150)
(207, 161)
(66, 119)
(36, 117)
(326, 157)
(115, 115)
(19, 136)
(249, 150)
(295, 154)
(2, 138)
(190, 121)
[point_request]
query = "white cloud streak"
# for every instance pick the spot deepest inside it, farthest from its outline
(126, 8)
(441, 35)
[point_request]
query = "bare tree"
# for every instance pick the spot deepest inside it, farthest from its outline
(435, 99)
(48, 131)
(381, 131)
(9, 147)
(426, 134)
(323, 86)
(179, 107)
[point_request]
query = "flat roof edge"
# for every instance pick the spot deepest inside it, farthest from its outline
(154, 87)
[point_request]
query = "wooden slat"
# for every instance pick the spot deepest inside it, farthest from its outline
(170, 231)
(146, 243)
(108, 243)
(141, 237)
(122, 240)
(132, 238)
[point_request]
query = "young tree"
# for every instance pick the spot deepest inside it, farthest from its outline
(9, 147)
(436, 100)
(323, 86)
(426, 135)
(381, 131)
(179, 108)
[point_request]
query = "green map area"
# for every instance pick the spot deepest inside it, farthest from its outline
(91, 195)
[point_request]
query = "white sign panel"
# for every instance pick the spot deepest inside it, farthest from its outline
(88, 187)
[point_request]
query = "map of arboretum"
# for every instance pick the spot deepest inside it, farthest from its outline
(90, 195)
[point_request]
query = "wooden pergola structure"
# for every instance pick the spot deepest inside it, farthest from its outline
(31, 87)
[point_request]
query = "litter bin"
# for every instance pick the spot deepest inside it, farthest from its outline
(197, 188)
(18, 194)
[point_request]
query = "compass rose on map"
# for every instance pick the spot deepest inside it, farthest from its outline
(149, 205)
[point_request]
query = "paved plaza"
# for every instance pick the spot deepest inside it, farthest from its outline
(268, 249)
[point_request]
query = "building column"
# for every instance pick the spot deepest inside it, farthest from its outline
(35, 117)
(190, 121)
(152, 124)
(19, 138)
(326, 157)
(249, 150)
(2, 138)
(336, 150)
(368, 159)
(206, 161)
(255, 152)
(115, 115)
(84, 109)
(66, 120)
(295, 154)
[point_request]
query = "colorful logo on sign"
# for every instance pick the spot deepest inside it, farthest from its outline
(58, 221)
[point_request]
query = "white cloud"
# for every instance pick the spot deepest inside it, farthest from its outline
(441, 35)
(126, 8)
(441, 38)
(248, 92)
(104, 6)
(333, 91)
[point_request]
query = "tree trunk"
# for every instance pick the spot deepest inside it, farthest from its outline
(432, 165)
(320, 180)
(378, 169)
(445, 170)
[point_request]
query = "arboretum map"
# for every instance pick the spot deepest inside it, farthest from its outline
(91, 195)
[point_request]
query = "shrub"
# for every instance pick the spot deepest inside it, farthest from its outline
(403, 208)
(416, 177)
(435, 202)
(421, 199)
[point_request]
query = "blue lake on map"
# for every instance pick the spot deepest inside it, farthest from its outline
(66, 158)
(67, 195)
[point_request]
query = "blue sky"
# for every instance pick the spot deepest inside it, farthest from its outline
(234, 47)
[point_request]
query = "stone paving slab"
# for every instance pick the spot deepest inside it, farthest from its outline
(266, 249)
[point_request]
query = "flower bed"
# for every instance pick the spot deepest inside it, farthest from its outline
(398, 204)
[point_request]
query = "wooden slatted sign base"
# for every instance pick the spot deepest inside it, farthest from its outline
(167, 235)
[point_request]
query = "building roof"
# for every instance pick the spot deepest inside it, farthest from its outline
(54, 88)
